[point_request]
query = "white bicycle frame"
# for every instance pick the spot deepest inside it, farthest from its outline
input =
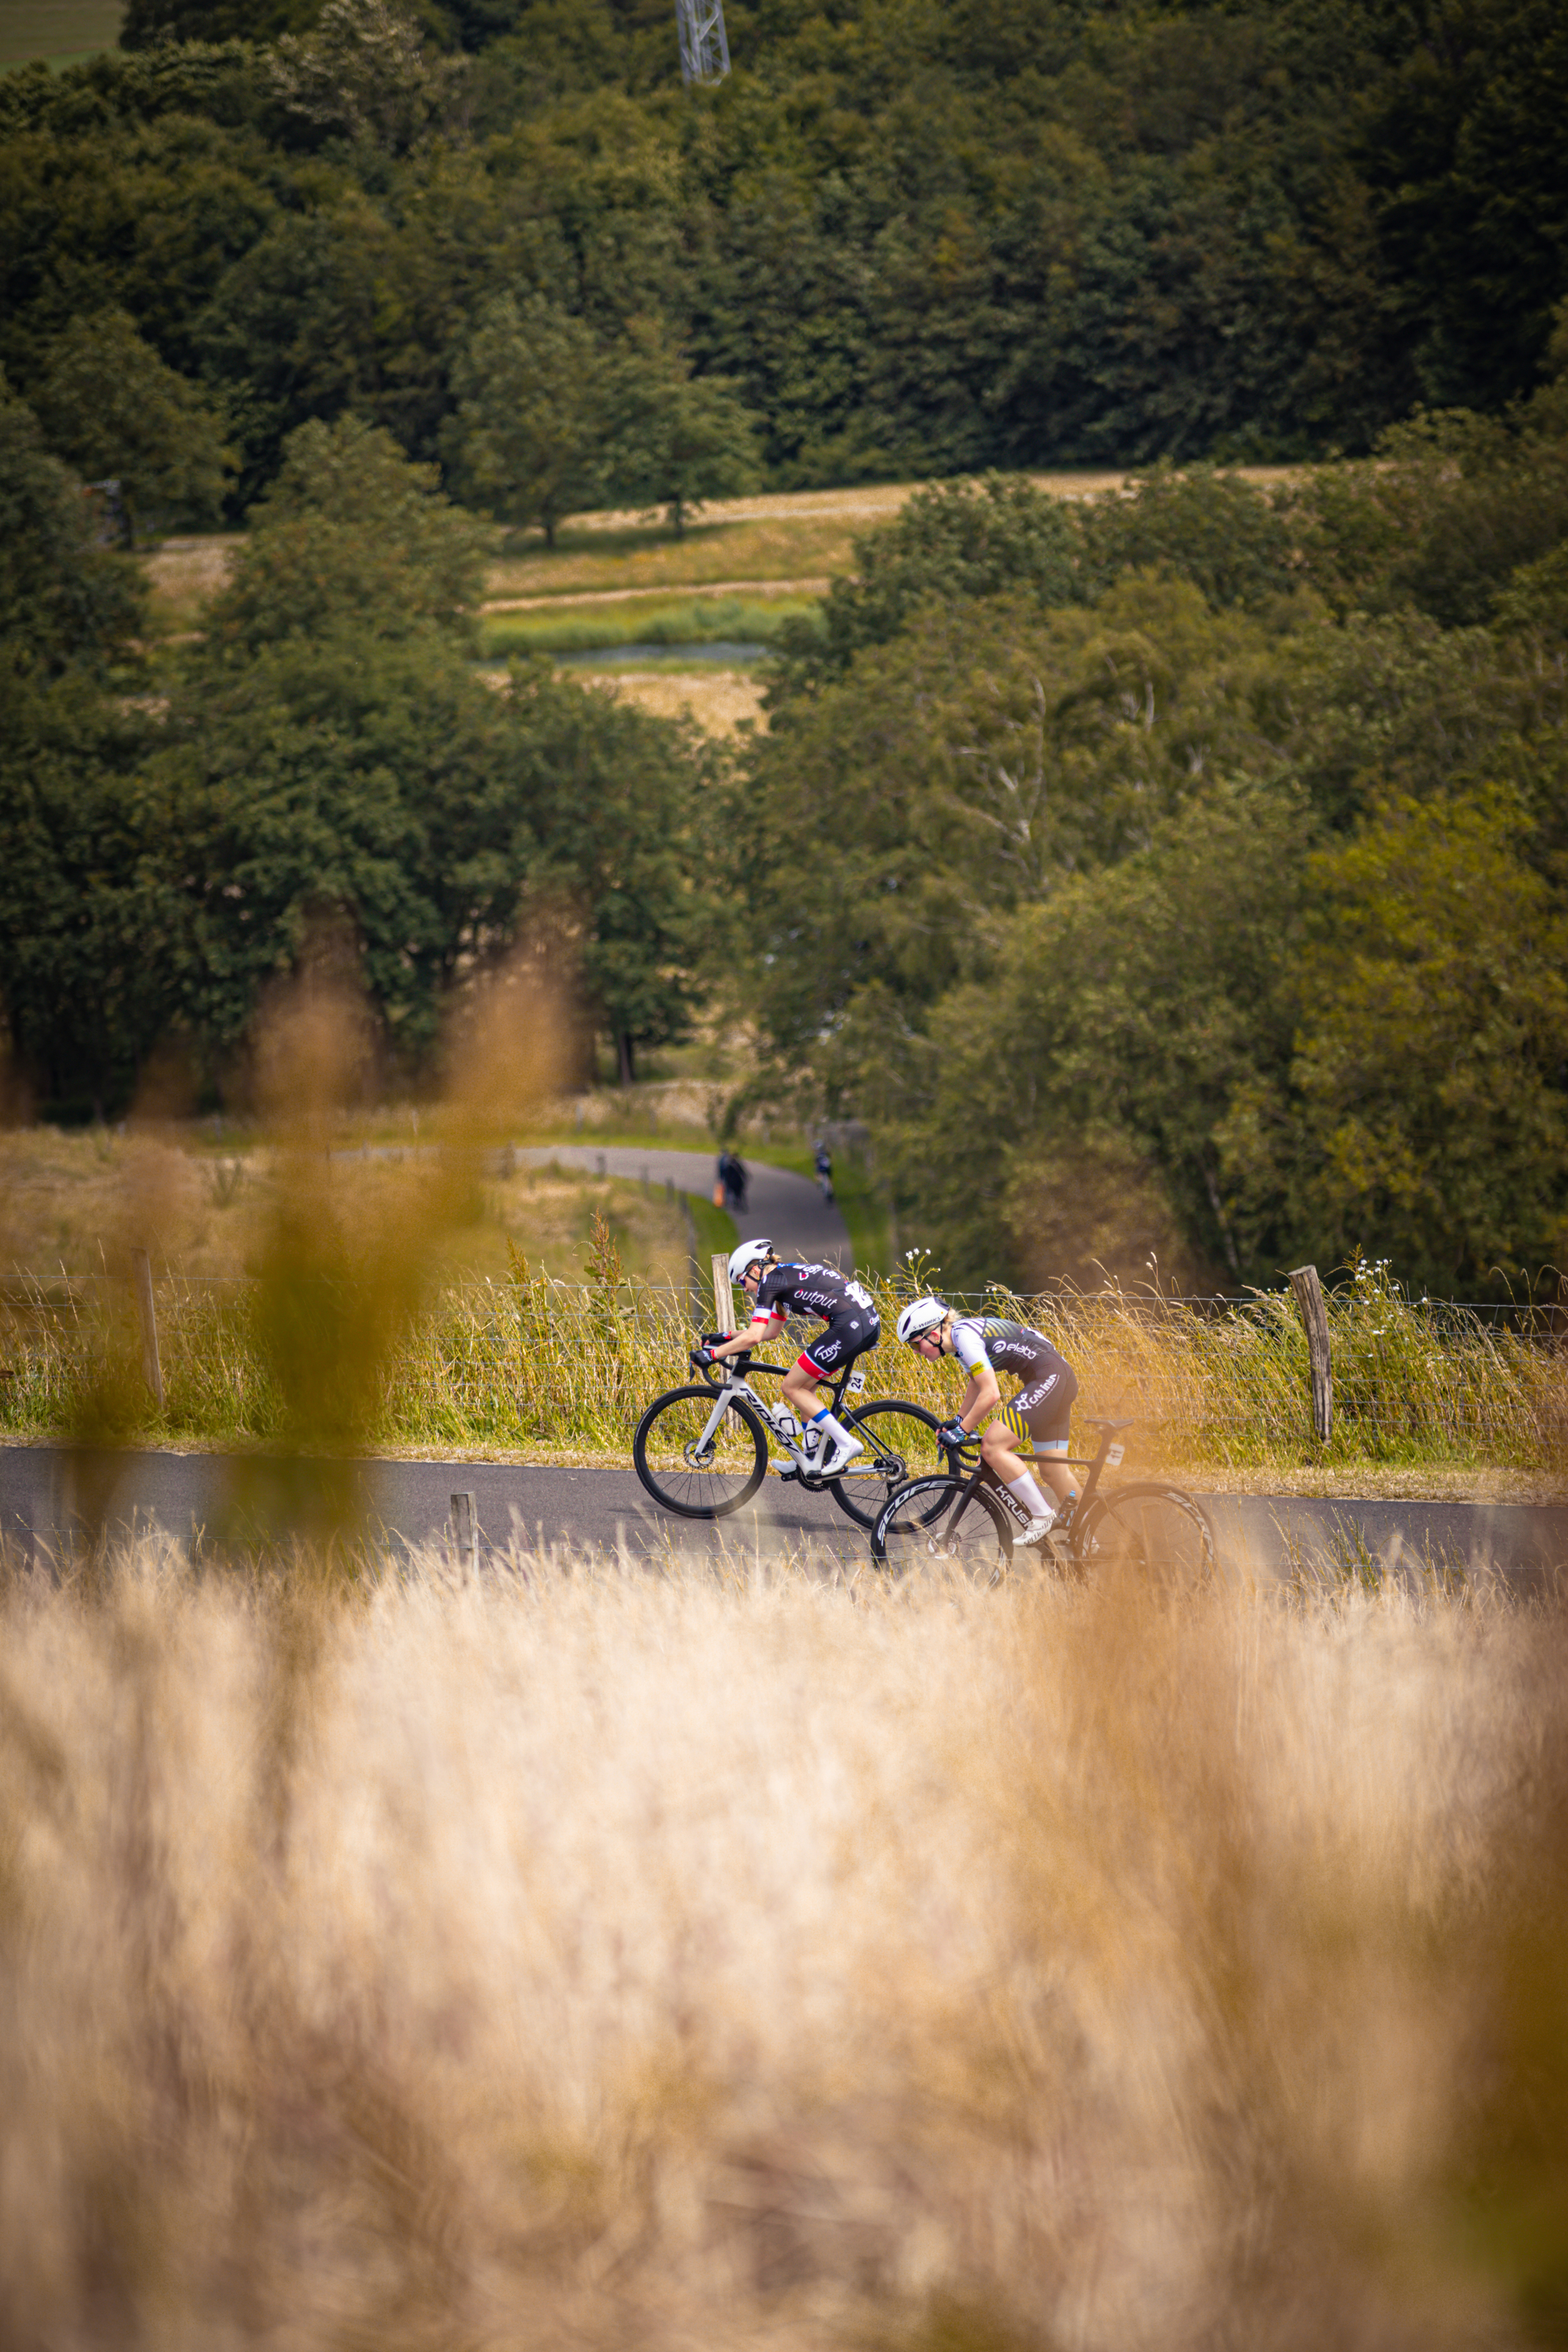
(735, 1384)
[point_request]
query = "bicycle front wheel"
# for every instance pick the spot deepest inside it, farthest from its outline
(935, 1524)
(695, 1463)
(1158, 1533)
(901, 1443)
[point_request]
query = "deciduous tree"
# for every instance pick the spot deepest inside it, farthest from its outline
(111, 408)
(526, 441)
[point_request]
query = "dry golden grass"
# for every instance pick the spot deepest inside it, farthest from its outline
(720, 701)
(78, 1203)
(580, 1957)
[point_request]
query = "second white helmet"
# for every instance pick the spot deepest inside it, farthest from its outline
(921, 1315)
(746, 1254)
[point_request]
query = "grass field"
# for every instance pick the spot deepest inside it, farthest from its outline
(559, 627)
(719, 701)
(611, 580)
(73, 1204)
(579, 1956)
(58, 30)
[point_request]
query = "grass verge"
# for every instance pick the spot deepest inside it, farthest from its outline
(534, 1360)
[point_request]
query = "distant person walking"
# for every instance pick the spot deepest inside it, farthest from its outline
(733, 1181)
(825, 1171)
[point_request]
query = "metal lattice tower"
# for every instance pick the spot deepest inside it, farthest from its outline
(704, 46)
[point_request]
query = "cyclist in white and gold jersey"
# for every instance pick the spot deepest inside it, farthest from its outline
(1039, 1411)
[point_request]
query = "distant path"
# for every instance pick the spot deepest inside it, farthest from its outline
(788, 1208)
(44, 1493)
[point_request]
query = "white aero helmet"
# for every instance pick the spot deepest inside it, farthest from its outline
(747, 1254)
(921, 1315)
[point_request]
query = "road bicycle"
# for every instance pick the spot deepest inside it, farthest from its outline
(964, 1518)
(702, 1451)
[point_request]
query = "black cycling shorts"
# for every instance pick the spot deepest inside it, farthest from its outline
(1042, 1411)
(841, 1339)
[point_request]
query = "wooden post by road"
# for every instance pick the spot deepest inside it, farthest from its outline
(723, 1297)
(142, 1284)
(466, 1531)
(1308, 1293)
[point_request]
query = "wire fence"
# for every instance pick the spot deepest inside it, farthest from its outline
(540, 1360)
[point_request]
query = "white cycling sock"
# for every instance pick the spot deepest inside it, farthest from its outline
(1030, 1496)
(827, 1426)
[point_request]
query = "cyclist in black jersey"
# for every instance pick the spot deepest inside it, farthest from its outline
(804, 1287)
(1040, 1410)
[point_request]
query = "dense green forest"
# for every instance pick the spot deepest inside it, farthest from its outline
(1179, 874)
(914, 236)
(1187, 870)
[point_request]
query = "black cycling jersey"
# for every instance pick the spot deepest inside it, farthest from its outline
(1006, 1347)
(811, 1289)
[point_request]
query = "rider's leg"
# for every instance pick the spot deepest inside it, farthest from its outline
(1046, 1412)
(820, 1425)
(798, 1389)
(834, 1349)
(1001, 1457)
(1051, 1464)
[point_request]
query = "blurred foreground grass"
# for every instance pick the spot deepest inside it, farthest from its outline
(579, 1955)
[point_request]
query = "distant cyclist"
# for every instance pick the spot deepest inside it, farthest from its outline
(1041, 1410)
(822, 1163)
(779, 1290)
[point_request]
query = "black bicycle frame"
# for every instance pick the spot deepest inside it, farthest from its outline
(981, 1474)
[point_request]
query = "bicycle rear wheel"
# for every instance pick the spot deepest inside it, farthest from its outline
(901, 1442)
(934, 1524)
(689, 1472)
(1157, 1533)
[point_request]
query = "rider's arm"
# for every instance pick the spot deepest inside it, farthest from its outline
(983, 1392)
(761, 1328)
(981, 1395)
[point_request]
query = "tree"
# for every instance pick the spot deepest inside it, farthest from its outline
(1462, 149)
(1096, 1062)
(147, 22)
(1450, 507)
(88, 916)
(364, 70)
(953, 542)
(64, 597)
(672, 440)
(617, 801)
(526, 439)
(1199, 525)
(964, 769)
(1425, 1116)
(350, 531)
(110, 406)
(346, 774)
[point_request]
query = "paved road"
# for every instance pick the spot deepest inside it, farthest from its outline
(786, 1207)
(45, 1492)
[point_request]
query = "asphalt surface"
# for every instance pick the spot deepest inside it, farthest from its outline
(785, 1207)
(49, 1495)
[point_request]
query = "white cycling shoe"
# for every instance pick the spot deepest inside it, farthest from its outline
(1036, 1532)
(836, 1456)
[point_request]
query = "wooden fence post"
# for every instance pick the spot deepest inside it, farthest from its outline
(723, 1297)
(1308, 1293)
(142, 1284)
(466, 1531)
